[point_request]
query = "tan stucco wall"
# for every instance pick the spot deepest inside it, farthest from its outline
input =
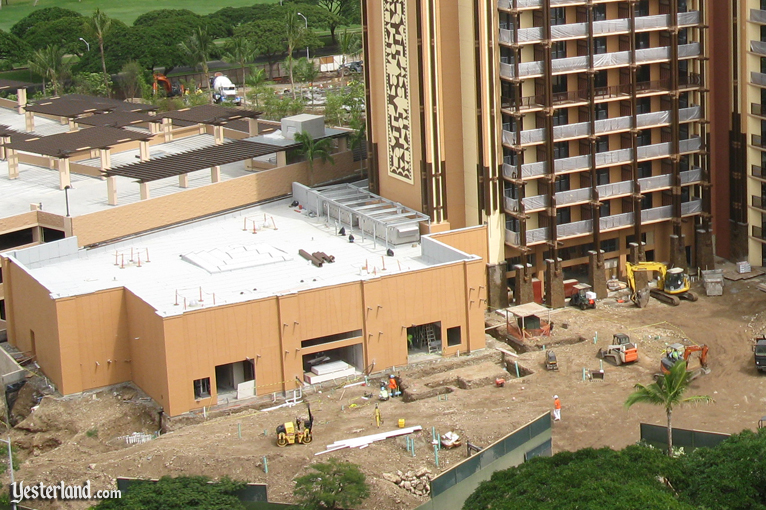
(148, 352)
(185, 205)
(471, 240)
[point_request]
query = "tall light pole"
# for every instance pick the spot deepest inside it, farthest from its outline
(83, 40)
(307, 29)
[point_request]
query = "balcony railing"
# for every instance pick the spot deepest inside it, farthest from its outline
(758, 202)
(600, 61)
(691, 207)
(511, 204)
(575, 228)
(758, 78)
(756, 140)
(757, 16)
(616, 221)
(536, 202)
(537, 235)
(614, 189)
(512, 237)
(689, 176)
(656, 213)
(757, 171)
(573, 196)
(656, 182)
(758, 47)
(758, 233)
(611, 158)
(758, 109)
(506, 36)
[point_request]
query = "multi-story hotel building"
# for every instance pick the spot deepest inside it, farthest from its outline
(567, 126)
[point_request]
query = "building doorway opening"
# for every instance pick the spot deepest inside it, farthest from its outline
(235, 381)
(333, 364)
(424, 339)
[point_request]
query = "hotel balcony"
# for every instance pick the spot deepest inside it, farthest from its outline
(757, 233)
(600, 28)
(603, 159)
(600, 61)
(603, 126)
(758, 203)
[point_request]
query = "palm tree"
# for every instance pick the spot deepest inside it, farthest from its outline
(350, 44)
(197, 49)
(307, 72)
(256, 79)
(240, 50)
(49, 63)
(313, 149)
(99, 26)
(295, 31)
(357, 138)
(667, 392)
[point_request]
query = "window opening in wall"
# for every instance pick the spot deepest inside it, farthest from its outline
(2, 309)
(51, 234)
(644, 169)
(424, 339)
(332, 364)
(559, 83)
(559, 49)
(602, 111)
(560, 150)
(202, 388)
(330, 338)
(606, 208)
(602, 176)
(563, 215)
(601, 79)
(599, 12)
(454, 336)
(558, 16)
(642, 8)
(610, 245)
(14, 239)
(32, 342)
(602, 144)
(646, 202)
(562, 183)
(561, 117)
(642, 40)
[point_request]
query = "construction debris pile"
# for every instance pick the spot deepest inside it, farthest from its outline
(417, 482)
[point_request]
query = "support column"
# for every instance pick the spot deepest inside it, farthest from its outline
(218, 133)
(37, 235)
(281, 159)
(154, 128)
(106, 160)
(597, 273)
(4, 140)
(703, 249)
(13, 163)
(167, 129)
(497, 286)
(72, 125)
(183, 180)
(215, 174)
(21, 100)
(554, 283)
(143, 150)
(678, 251)
(252, 127)
(144, 187)
(29, 121)
(111, 190)
(64, 179)
(342, 144)
(523, 291)
(637, 253)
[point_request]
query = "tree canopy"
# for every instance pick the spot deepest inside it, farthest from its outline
(38, 16)
(331, 485)
(13, 49)
(182, 493)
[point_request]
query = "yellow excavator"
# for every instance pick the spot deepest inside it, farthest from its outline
(672, 286)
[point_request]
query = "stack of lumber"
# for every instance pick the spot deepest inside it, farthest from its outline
(365, 441)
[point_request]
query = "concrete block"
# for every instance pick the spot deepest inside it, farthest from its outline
(523, 291)
(303, 123)
(497, 285)
(678, 251)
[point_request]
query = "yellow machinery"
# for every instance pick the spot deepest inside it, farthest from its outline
(672, 286)
(295, 432)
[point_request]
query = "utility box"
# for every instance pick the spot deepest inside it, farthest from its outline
(713, 281)
(303, 123)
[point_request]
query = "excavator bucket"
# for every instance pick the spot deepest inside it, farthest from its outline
(641, 298)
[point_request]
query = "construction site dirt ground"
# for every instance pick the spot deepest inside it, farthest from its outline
(80, 439)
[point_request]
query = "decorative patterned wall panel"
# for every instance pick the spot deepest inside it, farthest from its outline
(398, 118)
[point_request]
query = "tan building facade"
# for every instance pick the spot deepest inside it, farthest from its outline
(88, 331)
(566, 128)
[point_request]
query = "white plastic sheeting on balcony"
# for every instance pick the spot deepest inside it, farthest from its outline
(506, 36)
(537, 235)
(614, 189)
(570, 164)
(690, 144)
(758, 16)
(693, 175)
(533, 169)
(619, 58)
(575, 228)
(504, 4)
(614, 157)
(573, 196)
(512, 237)
(535, 202)
(691, 113)
(758, 78)
(511, 204)
(571, 130)
(656, 182)
(610, 26)
(615, 124)
(527, 136)
(686, 19)
(689, 50)
(656, 213)
(758, 47)
(693, 207)
(506, 70)
(615, 221)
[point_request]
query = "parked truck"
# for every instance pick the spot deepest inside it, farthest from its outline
(759, 353)
(224, 90)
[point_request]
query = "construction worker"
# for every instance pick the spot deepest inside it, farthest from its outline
(383, 395)
(393, 387)
(556, 408)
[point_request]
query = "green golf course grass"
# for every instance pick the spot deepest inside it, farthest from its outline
(125, 11)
